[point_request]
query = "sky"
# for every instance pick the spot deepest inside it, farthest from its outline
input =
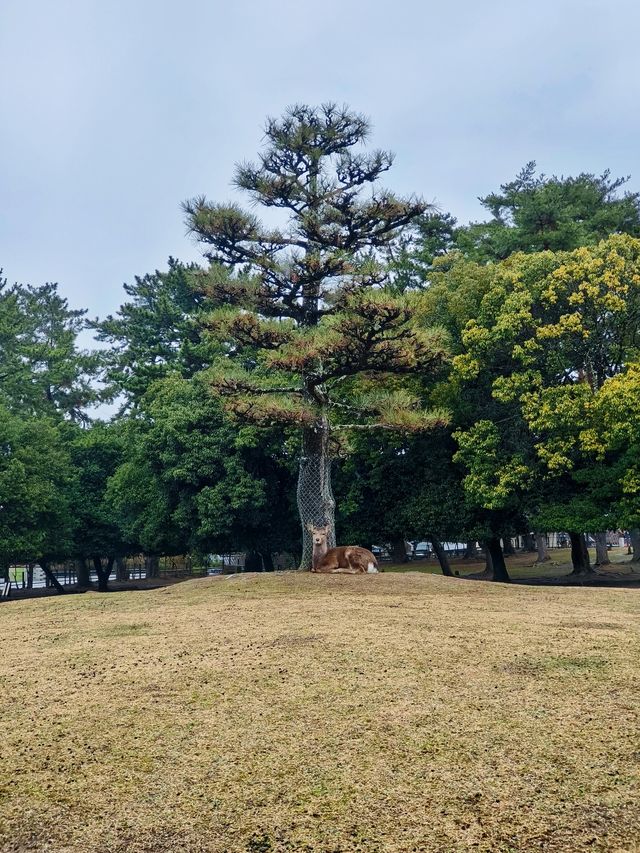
(112, 112)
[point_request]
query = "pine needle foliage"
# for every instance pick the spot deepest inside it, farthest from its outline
(306, 307)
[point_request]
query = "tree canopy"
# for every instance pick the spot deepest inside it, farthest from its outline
(456, 382)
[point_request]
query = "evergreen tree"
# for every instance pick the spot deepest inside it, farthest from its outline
(154, 333)
(36, 485)
(96, 454)
(535, 213)
(310, 328)
(42, 369)
(190, 481)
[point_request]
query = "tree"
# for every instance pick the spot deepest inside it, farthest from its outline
(430, 236)
(191, 481)
(36, 521)
(552, 330)
(96, 454)
(44, 372)
(535, 213)
(310, 328)
(397, 488)
(617, 432)
(155, 333)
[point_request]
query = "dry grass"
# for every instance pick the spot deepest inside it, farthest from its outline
(523, 565)
(332, 713)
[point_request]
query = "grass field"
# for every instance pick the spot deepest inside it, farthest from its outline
(522, 565)
(295, 712)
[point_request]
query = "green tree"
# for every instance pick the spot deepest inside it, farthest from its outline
(430, 236)
(43, 371)
(36, 477)
(192, 481)
(552, 330)
(395, 488)
(155, 332)
(96, 454)
(310, 329)
(535, 213)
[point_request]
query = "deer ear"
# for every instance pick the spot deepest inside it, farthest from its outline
(326, 528)
(310, 527)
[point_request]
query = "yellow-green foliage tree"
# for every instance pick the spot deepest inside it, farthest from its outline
(553, 329)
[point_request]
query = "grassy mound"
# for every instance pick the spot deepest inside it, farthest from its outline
(301, 713)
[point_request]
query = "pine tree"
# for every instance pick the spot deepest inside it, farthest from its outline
(154, 333)
(42, 369)
(311, 330)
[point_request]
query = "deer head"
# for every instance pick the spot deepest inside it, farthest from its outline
(318, 535)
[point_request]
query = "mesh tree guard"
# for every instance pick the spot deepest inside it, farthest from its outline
(316, 504)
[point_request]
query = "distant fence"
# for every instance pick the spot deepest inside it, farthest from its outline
(137, 568)
(131, 568)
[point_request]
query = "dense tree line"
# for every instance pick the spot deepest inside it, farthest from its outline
(467, 383)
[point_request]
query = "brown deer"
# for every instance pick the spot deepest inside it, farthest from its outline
(346, 560)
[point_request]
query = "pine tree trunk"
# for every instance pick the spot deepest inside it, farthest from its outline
(315, 497)
(541, 547)
(579, 554)
(602, 552)
(83, 577)
(529, 542)
(441, 554)
(635, 545)
(30, 576)
(500, 572)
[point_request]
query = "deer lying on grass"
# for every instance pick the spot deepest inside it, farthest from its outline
(346, 560)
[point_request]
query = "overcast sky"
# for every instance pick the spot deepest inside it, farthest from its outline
(114, 111)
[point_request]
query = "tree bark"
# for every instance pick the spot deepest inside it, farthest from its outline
(152, 565)
(488, 561)
(399, 551)
(602, 552)
(500, 572)
(122, 571)
(30, 576)
(316, 505)
(441, 554)
(83, 576)
(635, 545)
(579, 554)
(103, 572)
(53, 580)
(541, 547)
(529, 542)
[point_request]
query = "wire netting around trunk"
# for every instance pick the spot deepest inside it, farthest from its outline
(315, 501)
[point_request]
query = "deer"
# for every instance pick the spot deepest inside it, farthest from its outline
(346, 560)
